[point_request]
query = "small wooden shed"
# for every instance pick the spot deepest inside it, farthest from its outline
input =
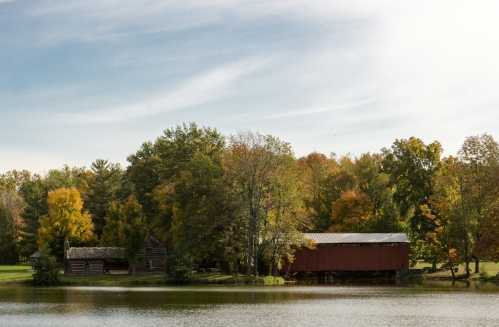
(353, 252)
(94, 260)
(102, 260)
(153, 256)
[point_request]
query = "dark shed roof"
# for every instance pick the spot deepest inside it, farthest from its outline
(96, 253)
(342, 238)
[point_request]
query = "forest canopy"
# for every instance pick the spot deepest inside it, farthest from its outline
(241, 202)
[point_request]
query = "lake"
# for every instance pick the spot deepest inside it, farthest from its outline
(429, 305)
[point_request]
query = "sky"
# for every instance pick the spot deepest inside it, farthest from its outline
(81, 80)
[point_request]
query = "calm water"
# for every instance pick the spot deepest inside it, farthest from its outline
(251, 306)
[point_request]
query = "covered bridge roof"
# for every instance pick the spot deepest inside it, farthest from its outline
(96, 253)
(342, 238)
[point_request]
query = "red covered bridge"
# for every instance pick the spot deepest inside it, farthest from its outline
(354, 252)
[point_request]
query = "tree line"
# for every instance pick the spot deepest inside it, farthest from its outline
(241, 203)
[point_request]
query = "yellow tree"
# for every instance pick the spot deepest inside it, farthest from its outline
(65, 221)
(315, 171)
(351, 212)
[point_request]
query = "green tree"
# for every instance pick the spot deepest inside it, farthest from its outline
(480, 158)
(14, 179)
(67, 177)
(155, 168)
(412, 166)
(113, 233)
(104, 183)
(34, 193)
(199, 210)
(135, 231)
(46, 269)
(11, 207)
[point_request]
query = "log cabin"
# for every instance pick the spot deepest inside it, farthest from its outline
(104, 260)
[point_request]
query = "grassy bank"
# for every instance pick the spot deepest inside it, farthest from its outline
(159, 279)
(489, 271)
(15, 274)
(113, 280)
(23, 274)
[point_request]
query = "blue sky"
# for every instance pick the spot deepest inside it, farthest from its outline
(81, 80)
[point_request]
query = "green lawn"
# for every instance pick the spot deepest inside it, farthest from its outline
(17, 273)
(159, 279)
(113, 280)
(153, 279)
(23, 273)
(487, 270)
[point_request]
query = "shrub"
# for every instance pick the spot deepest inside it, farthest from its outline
(273, 281)
(179, 268)
(46, 270)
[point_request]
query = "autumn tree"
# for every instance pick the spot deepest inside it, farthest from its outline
(14, 179)
(252, 163)
(448, 242)
(315, 171)
(480, 158)
(284, 215)
(351, 212)
(65, 220)
(375, 184)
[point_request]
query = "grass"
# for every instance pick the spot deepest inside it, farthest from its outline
(214, 278)
(220, 278)
(23, 273)
(154, 279)
(15, 274)
(273, 281)
(488, 271)
(113, 280)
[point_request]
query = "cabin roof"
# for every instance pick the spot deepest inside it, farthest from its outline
(342, 238)
(96, 253)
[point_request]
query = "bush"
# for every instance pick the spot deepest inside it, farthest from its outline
(179, 269)
(46, 270)
(273, 281)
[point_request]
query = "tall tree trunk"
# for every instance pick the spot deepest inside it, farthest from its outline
(133, 266)
(477, 264)
(256, 258)
(452, 271)
(467, 263)
(464, 229)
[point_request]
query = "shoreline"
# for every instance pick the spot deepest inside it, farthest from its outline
(22, 275)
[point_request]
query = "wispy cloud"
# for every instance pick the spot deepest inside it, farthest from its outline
(200, 89)
(344, 75)
(97, 20)
(336, 107)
